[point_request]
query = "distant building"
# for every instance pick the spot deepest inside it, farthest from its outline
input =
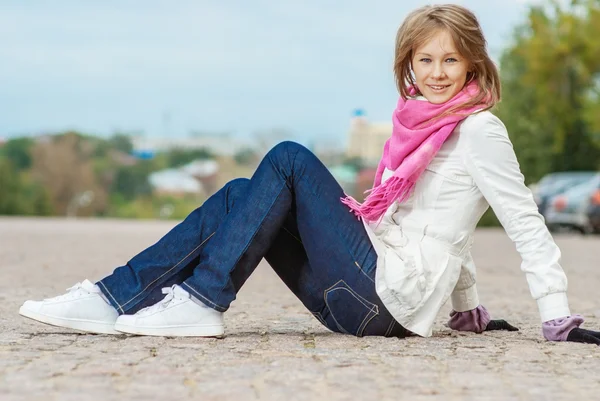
(194, 178)
(174, 182)
(219, 143)
(366, 139)
(205, 171)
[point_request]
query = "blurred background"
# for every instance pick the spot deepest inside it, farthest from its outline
(135, 109)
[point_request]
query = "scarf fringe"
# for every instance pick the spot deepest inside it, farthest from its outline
(380, 198)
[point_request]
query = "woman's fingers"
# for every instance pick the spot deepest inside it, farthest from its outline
(584, 336)
(500, 324)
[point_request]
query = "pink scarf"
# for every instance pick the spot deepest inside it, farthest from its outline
(410, 149)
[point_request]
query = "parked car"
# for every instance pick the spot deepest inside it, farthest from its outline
(569, 210)
(593, 212)
(556, 183)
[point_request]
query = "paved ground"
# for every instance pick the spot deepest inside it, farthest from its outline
(274, 349)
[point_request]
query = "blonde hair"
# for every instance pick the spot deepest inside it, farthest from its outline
(462, 25)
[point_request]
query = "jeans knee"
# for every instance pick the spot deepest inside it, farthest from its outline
(237, 183)
(287, 150)
(237, 187)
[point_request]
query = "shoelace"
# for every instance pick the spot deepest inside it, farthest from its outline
(71, 292)
(163, 303)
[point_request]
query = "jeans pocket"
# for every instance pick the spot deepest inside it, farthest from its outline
(350, 312)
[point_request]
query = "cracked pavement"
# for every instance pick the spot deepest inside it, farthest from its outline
(274, 349)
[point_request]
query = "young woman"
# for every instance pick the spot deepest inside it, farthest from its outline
(388, 272)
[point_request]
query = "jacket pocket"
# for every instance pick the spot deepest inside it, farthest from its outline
(464, 179)
(349, 311)
(405, 279)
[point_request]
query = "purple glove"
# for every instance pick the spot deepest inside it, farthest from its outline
(559, 329)
(475, 320)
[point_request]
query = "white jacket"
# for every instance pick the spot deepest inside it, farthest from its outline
(423, 244)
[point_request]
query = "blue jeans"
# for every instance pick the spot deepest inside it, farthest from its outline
(290, 213)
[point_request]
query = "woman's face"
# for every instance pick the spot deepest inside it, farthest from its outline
(440, 71)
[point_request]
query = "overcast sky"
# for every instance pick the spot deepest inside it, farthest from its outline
(170, 67)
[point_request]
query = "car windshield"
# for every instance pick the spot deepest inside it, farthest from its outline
(584, 188)
(558, 182)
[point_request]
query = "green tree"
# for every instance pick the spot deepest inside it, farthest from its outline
(18, 152)
(121, 142)
(132, 181)
(355, 162)
(63, 165)
(246, 157)
(11, 196)
(180, 157)
(549, 77)
(20, 195)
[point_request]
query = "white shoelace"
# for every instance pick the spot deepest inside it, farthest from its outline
(75, 291)
(162, 304)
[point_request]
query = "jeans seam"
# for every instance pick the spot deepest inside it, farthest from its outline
(319, 318)
(253, 235)
(310, 190)
(327, 291)
(372, 308)
(216, 306)
(336, 322)
(168, 271)
(363, 272)
(339, 234)
(372, 313)
(112, 297)
(293, 236)
(389, 330)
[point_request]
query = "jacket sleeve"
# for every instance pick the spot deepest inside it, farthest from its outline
(464, 296)
(491, 161)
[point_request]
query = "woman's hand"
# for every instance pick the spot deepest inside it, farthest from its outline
(477, 320)
(578, 335)
(567, 329)
(500, 325)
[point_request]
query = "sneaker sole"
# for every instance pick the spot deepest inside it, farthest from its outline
(213, 330)
(87, 326)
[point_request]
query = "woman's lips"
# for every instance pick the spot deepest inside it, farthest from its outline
(438, 88)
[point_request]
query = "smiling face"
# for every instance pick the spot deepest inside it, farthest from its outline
(440, 71)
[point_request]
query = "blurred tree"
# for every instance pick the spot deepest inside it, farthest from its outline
(132, 181)
(549, 78)
(102, 147)
(20, 195)
(18, 152)
(39, 200)
(247, 157)
(180, 157)
(121, 142)
(63, 165)
(356, 162)
(11, 195)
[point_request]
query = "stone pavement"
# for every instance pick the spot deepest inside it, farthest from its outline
(274, 349)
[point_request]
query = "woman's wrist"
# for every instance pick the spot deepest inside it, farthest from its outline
(559, 329)
(475, 320)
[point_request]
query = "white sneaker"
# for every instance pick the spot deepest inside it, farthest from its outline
(83, 308)
(176, 315)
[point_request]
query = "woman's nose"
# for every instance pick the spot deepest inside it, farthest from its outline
(438, 71)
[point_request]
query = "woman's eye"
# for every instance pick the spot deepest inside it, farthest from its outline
(451, 60)
(425, 60)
